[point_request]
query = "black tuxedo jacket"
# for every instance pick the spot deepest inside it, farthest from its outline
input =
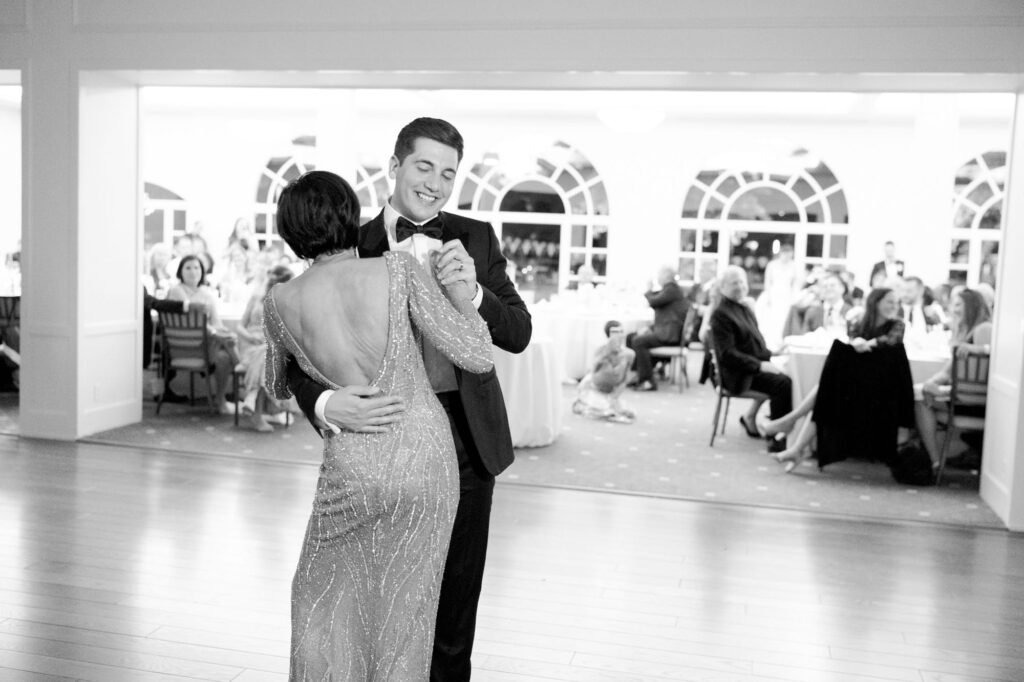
(738, 344)
(670, 308)
(507, 319)
(880, 267)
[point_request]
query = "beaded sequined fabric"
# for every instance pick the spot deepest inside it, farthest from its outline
(364, 595)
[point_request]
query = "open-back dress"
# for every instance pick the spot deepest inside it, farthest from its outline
(364, 595)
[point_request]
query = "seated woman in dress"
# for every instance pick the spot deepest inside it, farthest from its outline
(192, 287)
(879, 326)
(252, 349)
(971, 327)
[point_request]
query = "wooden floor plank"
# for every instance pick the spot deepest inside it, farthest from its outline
(123, 564)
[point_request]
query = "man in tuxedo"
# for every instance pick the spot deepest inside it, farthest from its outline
(426, 157)
(743, 357)
(830, 311)
(916, 315)
(670, 307)
(889, 267)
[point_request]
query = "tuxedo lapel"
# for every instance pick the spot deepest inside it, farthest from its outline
(449, 229)
(373, 238)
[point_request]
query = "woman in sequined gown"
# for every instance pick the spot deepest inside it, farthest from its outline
(365, 592)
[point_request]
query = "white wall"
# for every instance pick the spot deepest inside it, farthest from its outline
(10, 168)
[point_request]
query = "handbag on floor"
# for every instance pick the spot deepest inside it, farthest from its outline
(911, 465)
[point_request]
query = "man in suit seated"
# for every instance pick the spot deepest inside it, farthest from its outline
(830, 311)
(918, 316)
(888, 271)
(670, 307)
(743, 357)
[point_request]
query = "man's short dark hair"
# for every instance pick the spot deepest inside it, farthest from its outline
(435, 129)
(318, 213)
(610, 325)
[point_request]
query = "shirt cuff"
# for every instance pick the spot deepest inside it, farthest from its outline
(478, 298)
(319, 411)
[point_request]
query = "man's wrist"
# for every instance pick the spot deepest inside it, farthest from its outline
(478, 297)
(320, 410)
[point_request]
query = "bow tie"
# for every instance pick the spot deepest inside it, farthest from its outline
(406, 228)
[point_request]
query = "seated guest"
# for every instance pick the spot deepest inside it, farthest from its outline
(599, 391)
(971, 327)
(918, 315)
(192, 287)
(670, 307)
(252, 348)
(851, 387)
(854, 294)
(831, 309)
(744, 359)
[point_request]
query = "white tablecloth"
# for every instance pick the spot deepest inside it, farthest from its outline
(578, 333)
(805, 364)
(531, 384)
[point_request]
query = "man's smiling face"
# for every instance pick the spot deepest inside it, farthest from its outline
(424, 179)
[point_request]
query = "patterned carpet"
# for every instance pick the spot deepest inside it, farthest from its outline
(665, 453)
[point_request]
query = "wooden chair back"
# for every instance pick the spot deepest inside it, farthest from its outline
(10, 311)
(969, 380)
(185, 341)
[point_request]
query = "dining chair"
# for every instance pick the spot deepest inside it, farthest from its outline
(10, 320)
(725, 395)
(677, 355)
(185, 347)
(969, 388)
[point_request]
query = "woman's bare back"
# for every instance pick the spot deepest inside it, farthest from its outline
(337, 312)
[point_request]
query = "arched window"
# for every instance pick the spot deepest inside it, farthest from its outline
(371, 186)
(796, 200)
(278, 172)
(978, 190)
(164, 215)
(551, 213)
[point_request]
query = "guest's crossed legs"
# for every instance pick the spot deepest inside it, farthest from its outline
(778, 387)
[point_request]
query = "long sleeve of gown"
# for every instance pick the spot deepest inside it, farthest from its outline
(463, 339)
(277, 352)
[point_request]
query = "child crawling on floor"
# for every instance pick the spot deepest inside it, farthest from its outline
(599, 392)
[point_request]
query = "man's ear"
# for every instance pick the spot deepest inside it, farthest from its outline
(393, 165)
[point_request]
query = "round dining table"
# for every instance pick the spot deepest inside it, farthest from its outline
(807, 353)
(531, 383)
(578, 331)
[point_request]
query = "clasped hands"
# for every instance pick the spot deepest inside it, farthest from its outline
(455, 270)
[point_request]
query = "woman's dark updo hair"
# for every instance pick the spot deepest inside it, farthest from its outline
(318, 213)
(202, 268)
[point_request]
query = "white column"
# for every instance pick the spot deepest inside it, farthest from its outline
(109, 255)
(50, 316)
(1002, 473)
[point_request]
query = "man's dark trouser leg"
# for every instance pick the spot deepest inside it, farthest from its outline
(642, 344)
(464, 568)
(779, 388)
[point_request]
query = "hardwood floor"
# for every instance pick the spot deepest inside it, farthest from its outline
(141, 565)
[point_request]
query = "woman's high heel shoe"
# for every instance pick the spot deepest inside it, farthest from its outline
(791, 459)
(749, 428)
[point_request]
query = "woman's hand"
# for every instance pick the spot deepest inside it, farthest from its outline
(860, 345)
(964, 349)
